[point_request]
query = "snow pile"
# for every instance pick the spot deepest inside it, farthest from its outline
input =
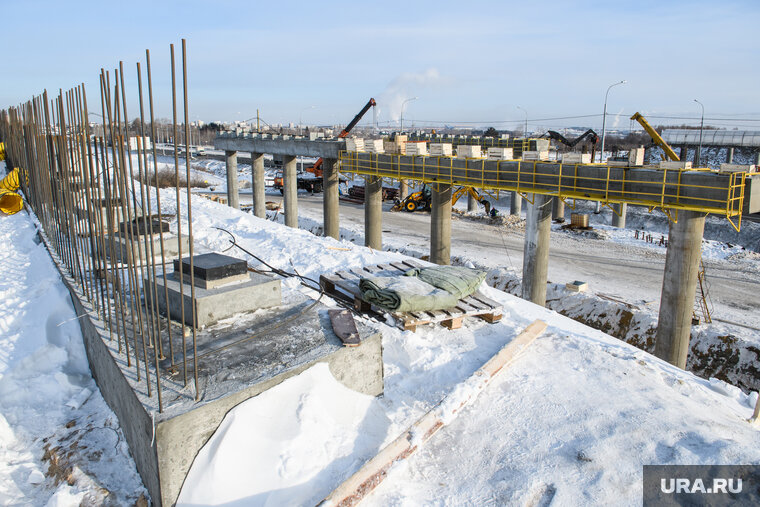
(59, 442)
(577, 401)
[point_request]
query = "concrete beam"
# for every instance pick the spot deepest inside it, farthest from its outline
(233, 195)
(515, 207)
(440, 224)
(678, 287)
(258, 185)
(618, 215)
(373, 212)
(536, 250)
(279, 146)
(330, 203)
(290, 190)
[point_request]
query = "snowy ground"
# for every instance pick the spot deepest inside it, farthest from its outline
(572, 420)
(60, 444)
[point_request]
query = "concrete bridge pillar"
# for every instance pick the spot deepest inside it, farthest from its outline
(730, 155)
(618, 215)
(515, 207)
(558, 208)
(679, 285)
(403, 189)
(472, 204)
(373, 212)
(440, 224)
(330, 208)
(536, 250)
(258, 185)
(290, 190)
(233, 196)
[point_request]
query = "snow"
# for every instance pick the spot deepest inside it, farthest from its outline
(570, 421)
(55, 428)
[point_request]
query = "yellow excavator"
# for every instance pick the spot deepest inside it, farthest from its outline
(656, 137)
(420, 200)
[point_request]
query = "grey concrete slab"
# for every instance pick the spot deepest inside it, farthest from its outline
(212, 305)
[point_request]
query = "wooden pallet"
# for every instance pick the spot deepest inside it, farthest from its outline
(345, 284)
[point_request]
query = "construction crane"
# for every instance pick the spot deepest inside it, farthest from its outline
(316, 168)
(656, 138)
(590, 134)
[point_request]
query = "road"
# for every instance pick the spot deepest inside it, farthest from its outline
(625, 271)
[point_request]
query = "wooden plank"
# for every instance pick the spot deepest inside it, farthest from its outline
(372, 269)
(453, 323)
(400, 266)
(344, 327)
(491, 317)
(475, 303)
(361, 483)
(485, 300)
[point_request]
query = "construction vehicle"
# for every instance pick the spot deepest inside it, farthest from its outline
(656, 138)
(316, 169)
(592, 137)
(414, 201)
(421, 199)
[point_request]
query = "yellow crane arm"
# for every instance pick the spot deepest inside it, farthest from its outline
(656, 137)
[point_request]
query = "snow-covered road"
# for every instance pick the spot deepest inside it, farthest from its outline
(620, 266)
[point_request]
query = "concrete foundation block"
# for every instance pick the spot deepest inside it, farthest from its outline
(214, 304)
(171, 246)
(165, 443)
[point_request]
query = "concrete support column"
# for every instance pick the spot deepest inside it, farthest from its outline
(757, 158)
(472, 204)
(679, 285)
(684, 153)
(515, 207)
(536, 251)
(330, 185)
(621, 209)
(233, 196)
(730, 155)
(258, 185)
(558, 208)
(403, 189)
(440, 224)
(373, 212)
(290, 190)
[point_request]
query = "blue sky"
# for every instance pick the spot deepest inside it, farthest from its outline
(466, 61)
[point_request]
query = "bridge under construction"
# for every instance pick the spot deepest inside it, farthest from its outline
(687, 195)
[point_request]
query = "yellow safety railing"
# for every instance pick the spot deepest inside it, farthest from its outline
(668, 189)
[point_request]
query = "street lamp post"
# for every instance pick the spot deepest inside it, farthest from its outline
(526, 120)
(604, 133)
(402, 111)
(698, 157)
(604, 118)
